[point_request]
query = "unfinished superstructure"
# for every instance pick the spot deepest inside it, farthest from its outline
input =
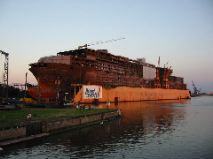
(61, 77)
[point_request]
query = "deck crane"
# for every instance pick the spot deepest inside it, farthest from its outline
(100, 42)
(5, 76)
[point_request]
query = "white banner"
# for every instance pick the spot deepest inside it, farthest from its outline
(92, 92)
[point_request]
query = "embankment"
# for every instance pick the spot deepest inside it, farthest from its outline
(35, 129)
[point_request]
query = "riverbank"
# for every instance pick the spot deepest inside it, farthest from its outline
(30, 123)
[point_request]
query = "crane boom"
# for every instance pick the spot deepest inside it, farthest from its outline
(100, 42)
(4, 53)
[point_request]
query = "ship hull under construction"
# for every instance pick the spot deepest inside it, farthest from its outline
(63, 78)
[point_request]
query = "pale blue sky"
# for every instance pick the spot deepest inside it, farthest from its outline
(179, 31)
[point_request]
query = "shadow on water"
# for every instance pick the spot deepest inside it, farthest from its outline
(139, 124)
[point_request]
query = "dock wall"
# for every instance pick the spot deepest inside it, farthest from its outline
(12, 133)
(73, 122)
(34, 128)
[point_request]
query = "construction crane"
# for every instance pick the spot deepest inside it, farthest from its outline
(5, 75)
(197, 91)
(100, 42)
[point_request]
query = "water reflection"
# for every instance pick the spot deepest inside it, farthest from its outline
(141, 119)
(141, 123)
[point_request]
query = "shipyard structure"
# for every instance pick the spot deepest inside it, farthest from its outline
(85, 75)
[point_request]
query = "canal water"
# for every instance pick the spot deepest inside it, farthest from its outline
(154, 129)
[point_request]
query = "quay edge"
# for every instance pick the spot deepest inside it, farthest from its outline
(36, 130)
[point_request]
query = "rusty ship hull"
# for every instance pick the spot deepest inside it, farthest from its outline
(63, 76)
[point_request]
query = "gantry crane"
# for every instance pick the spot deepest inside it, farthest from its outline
(5, 76)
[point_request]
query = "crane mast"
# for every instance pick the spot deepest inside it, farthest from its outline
(5, 75)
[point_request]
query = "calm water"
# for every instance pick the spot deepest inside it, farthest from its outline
(163, 129)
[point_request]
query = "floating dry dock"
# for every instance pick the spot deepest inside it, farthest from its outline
(127, 94)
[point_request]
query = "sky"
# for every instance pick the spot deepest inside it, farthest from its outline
(179, 31)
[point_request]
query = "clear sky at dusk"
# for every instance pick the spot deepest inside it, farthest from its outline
(179, 31)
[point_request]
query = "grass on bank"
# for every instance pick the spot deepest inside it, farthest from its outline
(16, 118)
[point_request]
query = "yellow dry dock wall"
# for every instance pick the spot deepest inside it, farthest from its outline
(135, 94)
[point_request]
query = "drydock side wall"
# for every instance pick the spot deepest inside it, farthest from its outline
(124, 94)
